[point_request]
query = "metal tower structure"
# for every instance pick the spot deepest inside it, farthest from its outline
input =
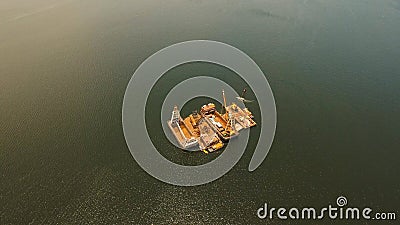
(176, 116)
(231, 122)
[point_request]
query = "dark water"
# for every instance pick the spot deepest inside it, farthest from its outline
(64, 66)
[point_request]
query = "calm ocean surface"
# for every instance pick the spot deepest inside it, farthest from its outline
(334, 68)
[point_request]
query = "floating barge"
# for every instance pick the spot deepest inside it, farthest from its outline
(209, 129)
(223, 127)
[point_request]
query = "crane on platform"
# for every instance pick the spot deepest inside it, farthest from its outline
(223, 111)
(242, 99)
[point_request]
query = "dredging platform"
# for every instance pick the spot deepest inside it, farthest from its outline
(209, 129)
